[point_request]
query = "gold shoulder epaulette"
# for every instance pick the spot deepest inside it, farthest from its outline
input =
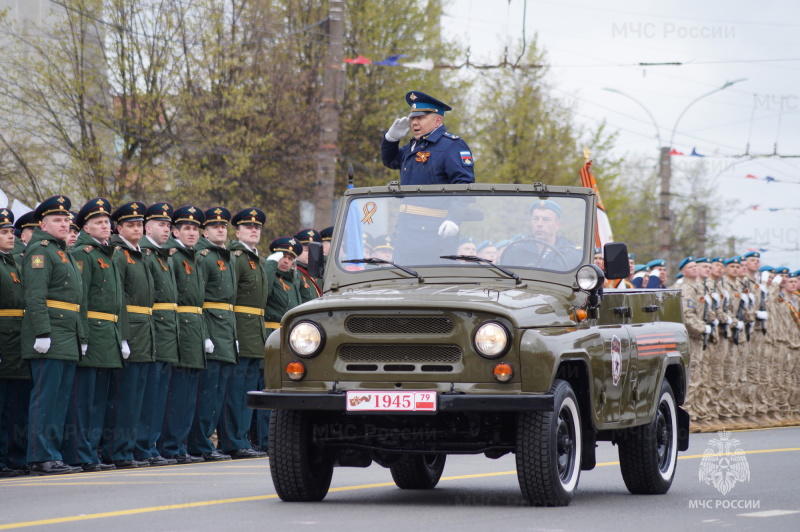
(44, 242)
(173, 251)
(205, 252)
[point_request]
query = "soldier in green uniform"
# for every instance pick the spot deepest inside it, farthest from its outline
(214, 263)
(51, 333)
(157, 227)
(24, 228)
(283, 295)
(102, 353)
(310, 287)
(128, 384)
(15, 376)
(74, 229)
(326, 235)
(192, 335)
(252, 291)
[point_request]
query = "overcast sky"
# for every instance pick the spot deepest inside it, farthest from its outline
(593, 45)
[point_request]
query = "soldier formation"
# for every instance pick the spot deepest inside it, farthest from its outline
(130, 336)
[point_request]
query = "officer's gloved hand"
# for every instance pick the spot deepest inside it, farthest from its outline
(126, 349)
(715, 297)
(278, 255)
(448, 229)
(740, 325)
(84, 348)
(715, 323)
(777, 280)
(764, 277)
(399, 129)
(708, 329)
(42, 345)
(209, 346)
(761, 315)
(729, 321)
(237, 346)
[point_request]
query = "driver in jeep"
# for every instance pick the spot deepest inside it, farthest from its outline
(544, 247)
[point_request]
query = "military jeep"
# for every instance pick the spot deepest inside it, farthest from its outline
(425, 346)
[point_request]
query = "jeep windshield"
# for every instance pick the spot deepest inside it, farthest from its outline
(513, 230)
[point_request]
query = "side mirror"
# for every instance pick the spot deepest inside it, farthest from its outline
(616, 260)
(316, 260)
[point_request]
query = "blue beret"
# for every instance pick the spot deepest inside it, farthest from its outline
(548, 204)
(631, 256)
(685, 261)
(326, 234)
(93, 207)
(6, 218)
(701, 260)
(217, 216)
(466, 240)
(503, 243)
(52, 205)
(755, 254)
(656, 263)
(188, 214)
(129, 212)
(422, 104)
(679, 276)
(717, 259)
(766, 269)
(733, 260)
(598, 251)
(782, 271)
(286, 244)
(795, 273)
(306, 236)
(485, 244)
(639, 268)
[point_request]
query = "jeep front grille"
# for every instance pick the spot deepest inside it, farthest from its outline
(407, 353)
(399, 325)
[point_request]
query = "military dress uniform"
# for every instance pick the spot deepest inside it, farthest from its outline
(310, 287)
(53, 296)
(185, 378)
(26, 221)
(103, 303)
(15, 375)
(165, 323)
(252, 292)
(436, 158)
(128, 384)
(214, 262)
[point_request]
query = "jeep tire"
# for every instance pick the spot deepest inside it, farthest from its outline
(648, 453)
(418, 471)
(549, 450)
(300, 471)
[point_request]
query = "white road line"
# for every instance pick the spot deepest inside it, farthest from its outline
(770, 513)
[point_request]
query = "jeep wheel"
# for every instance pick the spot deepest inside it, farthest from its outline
(648, 454)
(549, 450)
(300, 471)
(418, 471)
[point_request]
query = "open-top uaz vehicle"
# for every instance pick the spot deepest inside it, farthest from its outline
(434, 351)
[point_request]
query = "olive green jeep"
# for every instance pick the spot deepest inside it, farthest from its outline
(469, 319)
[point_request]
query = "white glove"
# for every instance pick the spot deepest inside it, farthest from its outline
(715, 323)
(639, 275)
(126, 349)
(399, 129)
(448, 229)
(237, 346)
(84, 348)
(278, 255)
(708, 329)
(707, 298)
(715, 297)
(752, 324)
(752, 298)
(209, 346)
(745, 300)
(729, 321)
(761, 315)
(42, 345)
(727, 295)
(740, 325)
(762, 287)
(764, 277)
(777, 279)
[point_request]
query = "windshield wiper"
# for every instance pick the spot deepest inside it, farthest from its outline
(473, 258)
(373, 260)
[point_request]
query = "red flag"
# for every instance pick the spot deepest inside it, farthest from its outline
(360, 60)
(675, 152)
(751, 176)
(603, 230)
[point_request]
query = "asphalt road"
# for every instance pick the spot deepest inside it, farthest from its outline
(475, 494)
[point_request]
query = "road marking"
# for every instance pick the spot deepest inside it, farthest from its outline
(200, 504)
(770, 513)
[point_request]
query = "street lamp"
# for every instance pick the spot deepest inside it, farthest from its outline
(665, 171)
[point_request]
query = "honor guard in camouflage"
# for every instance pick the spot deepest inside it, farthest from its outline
(15, 376)
(310, 287)
(157, 228)
(24, 228)
(129, 383)
(51, 333)
(695, 307)
(252, 292)
(103, 304)
(214, 263)
(192, 335)
(433, 156)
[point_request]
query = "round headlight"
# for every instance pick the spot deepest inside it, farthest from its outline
(589, 277)
(306, 339)
(491, 340)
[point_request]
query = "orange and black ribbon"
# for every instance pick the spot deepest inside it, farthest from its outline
(188, 268)
(422, 156)
(14, 277)
(128, 255)
(252, 264)
(285, 286)
(63, 256)
(221, 265)
(161, 263)
(103, 265)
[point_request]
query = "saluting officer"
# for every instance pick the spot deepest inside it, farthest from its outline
(252, 291)
(214, 261)
(433, 156)
(310, 287)
(102, 353)
(15, 376)
(51, 333)
(157, 227)
(192, 335)
(128, 384)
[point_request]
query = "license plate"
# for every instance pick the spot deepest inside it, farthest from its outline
(391, 401)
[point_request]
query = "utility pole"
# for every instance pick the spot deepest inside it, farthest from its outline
(700, 230)
(665, 215)
(329, 116)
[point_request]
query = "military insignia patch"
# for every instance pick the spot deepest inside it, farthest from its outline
(37, 261)
(238, 253)
(80, 265)
(690, 303)
(466, 158)
(173, 251)
(205, 252)
(87, 249)
(44, 243)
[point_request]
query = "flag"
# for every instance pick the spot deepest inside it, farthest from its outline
(603, 233)
(675, 152)
(694, 153)
(391, 60)
(425, 64)
(360, 60)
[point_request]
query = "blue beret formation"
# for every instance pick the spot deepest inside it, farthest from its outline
(217, 216)
(306, 236)
(93, 207)
(53, 205)
(159, 211)
(6, 218)
(189, 214)
(249, 216)
(286, 244)
(422, 104)
(130, 212)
